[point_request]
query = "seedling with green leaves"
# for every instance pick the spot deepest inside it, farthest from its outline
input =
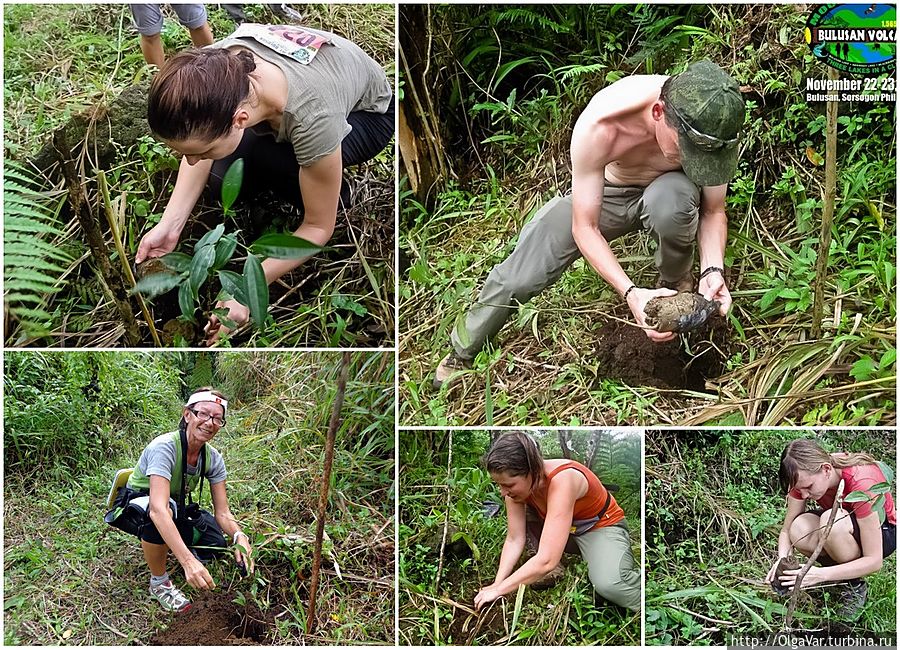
(213, 252)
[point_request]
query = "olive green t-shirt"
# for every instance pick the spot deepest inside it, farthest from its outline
(328, 77)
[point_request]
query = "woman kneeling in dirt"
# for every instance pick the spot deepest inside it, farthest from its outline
(297, 104)
(152, 505)
(857, 543)
(558, 505)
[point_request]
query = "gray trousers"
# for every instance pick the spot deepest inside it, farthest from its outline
(668, 208)
(607, 551)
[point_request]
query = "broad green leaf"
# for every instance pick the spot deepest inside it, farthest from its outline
(186, 302)
(257, 289)
(880, 488)
(210, 238)
(155, 284)
(231, 184)
(200, 268)
(863, 368)
(856, 497)
(178, 262)
(284, 246)
(224, 250)
(887, 470)
(233, 285)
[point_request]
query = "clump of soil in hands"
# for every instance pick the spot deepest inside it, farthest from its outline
(679, 313)
(784, 564)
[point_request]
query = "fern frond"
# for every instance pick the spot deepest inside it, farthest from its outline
(526, 16)
(33, 258)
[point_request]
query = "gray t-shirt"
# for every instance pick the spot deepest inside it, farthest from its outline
(328, 78)
(158, 458)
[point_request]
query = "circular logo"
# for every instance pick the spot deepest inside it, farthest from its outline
(855, 38)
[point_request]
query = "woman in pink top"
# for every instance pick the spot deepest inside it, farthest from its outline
(858, 541)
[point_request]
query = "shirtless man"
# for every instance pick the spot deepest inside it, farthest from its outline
(649, 152)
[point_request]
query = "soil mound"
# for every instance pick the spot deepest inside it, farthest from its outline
(215, 619)
(625, 353)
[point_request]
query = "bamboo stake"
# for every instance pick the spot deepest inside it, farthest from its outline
(827, 212)
(440, 568)
(323, 493)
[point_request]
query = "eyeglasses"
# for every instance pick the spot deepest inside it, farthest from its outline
(203, 417)
(702, 140)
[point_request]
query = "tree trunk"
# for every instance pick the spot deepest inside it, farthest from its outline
(419, 137)
(564, 444)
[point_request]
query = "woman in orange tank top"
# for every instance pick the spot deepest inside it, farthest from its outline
(570, 511)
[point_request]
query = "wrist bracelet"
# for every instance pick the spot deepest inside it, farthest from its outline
(711, 269)
(628, 290)
(234, 538)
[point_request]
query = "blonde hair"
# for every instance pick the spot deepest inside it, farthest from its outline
(808, 456)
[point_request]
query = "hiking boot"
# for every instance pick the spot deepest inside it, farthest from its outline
(684, 284)
(852, 599)
(550, 579)
(449, 366)
(170, 597)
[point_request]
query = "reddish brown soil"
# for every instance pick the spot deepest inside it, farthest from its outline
(215, 619)
(625, 353)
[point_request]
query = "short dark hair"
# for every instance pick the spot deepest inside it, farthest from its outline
(672, 119)
(197, 92)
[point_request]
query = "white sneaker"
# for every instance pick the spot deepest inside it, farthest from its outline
(170, 597)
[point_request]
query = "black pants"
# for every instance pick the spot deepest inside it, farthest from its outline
(271, 165)
(198, 530)
(888, 537)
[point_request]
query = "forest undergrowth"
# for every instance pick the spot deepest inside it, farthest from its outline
(72, 420)
(713, 514)
(444, 488)
(508, 84)
(79, 68)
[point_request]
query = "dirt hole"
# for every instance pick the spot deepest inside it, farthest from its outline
(489, 626)
(625, 353)
(215, 619)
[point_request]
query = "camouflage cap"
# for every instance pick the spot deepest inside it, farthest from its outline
(710, 110)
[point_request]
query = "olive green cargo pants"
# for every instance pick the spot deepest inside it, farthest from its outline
(668, 208)
(607, 551)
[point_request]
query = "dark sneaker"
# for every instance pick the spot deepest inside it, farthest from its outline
(684, 284)
(551, 579)
(449, 366)
(852, 599)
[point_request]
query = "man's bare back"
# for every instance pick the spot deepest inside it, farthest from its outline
(622, 111)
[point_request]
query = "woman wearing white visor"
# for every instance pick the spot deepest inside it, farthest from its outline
(157, 505)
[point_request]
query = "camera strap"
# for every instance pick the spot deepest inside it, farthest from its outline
(202, 465)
